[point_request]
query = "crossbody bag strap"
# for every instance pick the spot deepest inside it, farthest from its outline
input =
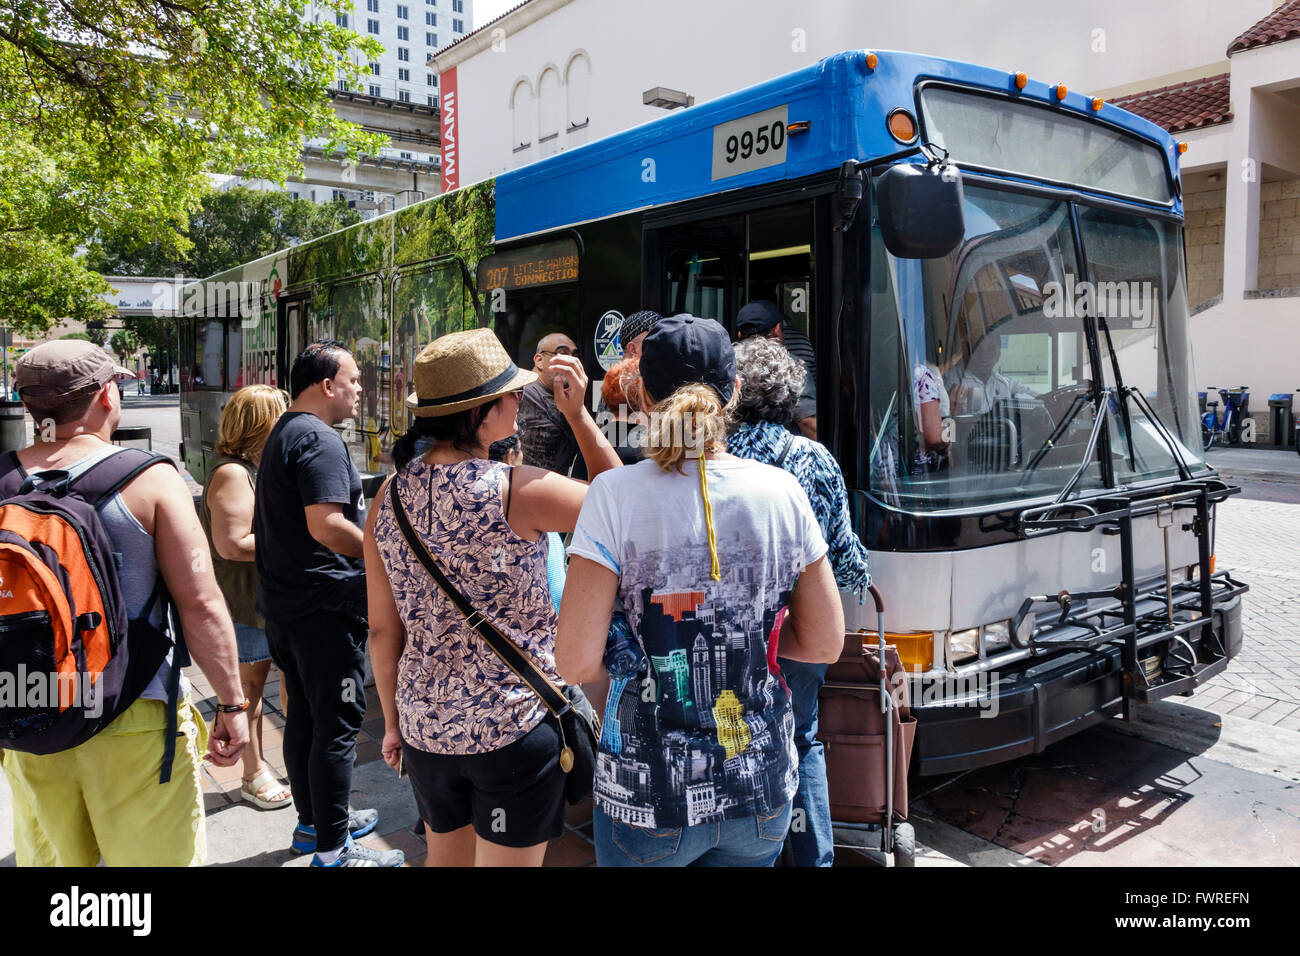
(509, 652)
(785, 450)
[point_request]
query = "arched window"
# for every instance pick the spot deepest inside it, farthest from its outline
(577, 82)
(522, 119)
(550, 109)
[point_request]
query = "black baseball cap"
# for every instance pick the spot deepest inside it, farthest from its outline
(758, 317)
(685, 349)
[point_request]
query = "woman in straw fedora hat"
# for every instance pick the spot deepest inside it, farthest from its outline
(481, 752)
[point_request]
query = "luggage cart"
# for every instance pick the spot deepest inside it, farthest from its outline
(866, 727)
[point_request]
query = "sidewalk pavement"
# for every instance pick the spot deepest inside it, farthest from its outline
(1278, 464)
(239, 834)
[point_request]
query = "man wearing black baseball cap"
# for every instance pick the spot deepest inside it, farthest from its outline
(764, 317)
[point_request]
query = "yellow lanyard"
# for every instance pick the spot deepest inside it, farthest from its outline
(714, 571)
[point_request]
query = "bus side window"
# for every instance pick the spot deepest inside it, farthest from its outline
(425, 305)
(357, 309)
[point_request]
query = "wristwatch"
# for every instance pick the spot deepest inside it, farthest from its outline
(232, 708)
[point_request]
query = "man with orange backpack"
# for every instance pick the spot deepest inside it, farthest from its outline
(95, 543)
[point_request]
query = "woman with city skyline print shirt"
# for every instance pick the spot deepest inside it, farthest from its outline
(696, 764)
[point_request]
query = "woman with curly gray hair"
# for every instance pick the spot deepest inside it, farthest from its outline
(771, 381)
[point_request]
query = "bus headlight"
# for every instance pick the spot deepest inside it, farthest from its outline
(915, 650)
(997, 637)
(963, 645)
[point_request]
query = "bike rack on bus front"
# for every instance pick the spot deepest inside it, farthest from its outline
(1168, 614)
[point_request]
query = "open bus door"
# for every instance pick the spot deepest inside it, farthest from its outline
(771, 249)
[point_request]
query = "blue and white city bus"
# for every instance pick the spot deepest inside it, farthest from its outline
(1050, 561)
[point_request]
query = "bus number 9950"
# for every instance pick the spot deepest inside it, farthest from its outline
(749, 143)
(756, 142)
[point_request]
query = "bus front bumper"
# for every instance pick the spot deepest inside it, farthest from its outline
(1031, 704)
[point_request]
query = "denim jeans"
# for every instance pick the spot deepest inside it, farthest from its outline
(811, 839)
(744, 841)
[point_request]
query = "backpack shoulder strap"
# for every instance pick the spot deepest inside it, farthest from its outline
(111, 474)
(12, 474)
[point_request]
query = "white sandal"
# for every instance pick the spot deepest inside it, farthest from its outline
(265, 791)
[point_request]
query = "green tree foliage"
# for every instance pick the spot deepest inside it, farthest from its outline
(230, 227)
(96, 332)
(113, 114)
(124, 343)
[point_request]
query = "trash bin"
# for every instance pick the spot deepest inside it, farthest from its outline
(13, 433)
(134, 433)
(1279, 419)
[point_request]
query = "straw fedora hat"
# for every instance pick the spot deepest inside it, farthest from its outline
(460, 370)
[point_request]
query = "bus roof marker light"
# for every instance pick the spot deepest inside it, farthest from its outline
(1182, 147)
(901, 125)
(1097, 103)
(1060, 91)
(1021, 80)
(872, 60)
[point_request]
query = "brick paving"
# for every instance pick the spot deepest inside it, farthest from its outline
(1260, 542)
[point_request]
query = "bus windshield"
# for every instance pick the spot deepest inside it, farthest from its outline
(981, 371)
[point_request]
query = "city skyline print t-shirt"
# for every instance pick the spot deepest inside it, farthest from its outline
(709, 734)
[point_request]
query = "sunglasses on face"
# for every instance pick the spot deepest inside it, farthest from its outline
(562, 350)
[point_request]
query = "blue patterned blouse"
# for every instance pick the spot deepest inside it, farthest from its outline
(819, 475)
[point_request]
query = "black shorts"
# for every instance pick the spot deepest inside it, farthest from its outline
(514, 796)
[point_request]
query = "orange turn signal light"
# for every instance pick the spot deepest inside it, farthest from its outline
(1182, 147)
(1098, 102)
(915, 651)
(872, 60)
(1022, 79)
(1060, 91)
(901, 125)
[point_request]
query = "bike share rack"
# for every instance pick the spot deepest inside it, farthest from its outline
(1132, 618)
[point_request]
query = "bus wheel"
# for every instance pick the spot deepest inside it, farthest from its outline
(904, 845)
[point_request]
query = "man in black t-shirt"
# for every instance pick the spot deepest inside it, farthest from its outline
(312, 591)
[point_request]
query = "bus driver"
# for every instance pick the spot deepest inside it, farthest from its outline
(977, 388)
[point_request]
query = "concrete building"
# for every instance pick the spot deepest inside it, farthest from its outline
(1241, 118)
(398, 98)
(553, 74)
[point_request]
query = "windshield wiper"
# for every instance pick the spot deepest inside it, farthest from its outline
(1119, 385)
(1103, 412)
(1050, 442)
(1184, 472)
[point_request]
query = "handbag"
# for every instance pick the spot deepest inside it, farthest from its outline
(578, 723)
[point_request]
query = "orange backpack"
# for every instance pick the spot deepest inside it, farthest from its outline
(70, 661)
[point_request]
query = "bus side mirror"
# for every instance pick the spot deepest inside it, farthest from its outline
(921, 210)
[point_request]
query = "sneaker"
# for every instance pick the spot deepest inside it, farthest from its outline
(354, 854)
(360, 823)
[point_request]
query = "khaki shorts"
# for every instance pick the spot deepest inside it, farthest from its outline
(103, 798)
